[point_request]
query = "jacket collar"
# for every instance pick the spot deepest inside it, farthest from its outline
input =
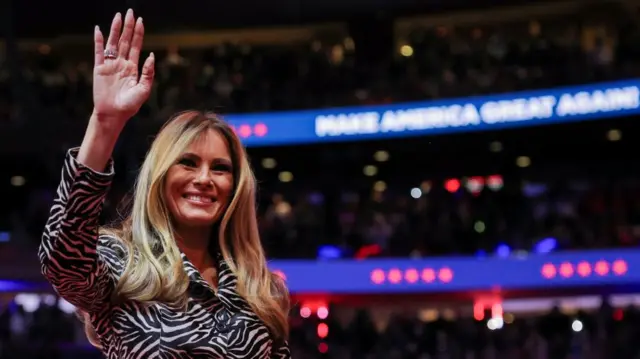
(227, 282)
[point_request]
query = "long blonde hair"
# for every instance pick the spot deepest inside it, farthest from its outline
(157, 273)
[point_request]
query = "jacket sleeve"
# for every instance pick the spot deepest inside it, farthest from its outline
(80, 265)
(282, 351)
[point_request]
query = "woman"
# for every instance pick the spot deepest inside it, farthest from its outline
(185, 275)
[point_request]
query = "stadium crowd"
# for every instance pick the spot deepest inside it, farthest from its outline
(597, 334)
(440, 62)
(431, 62)
(452, 217)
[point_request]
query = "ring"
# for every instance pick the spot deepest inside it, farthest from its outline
(110, 54)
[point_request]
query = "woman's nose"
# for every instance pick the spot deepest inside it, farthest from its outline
(203, 177)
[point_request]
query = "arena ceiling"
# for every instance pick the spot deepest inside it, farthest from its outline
(38, 18)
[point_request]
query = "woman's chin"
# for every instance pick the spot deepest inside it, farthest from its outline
(197, 217)
(198, 221)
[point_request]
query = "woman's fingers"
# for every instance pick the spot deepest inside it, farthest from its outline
(136, 43)
(114, 33)
(98, 46)
(148, 72)
(127, 33)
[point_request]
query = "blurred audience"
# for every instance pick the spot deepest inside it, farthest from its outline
(53, 331)
(478, 215)
(433, 62)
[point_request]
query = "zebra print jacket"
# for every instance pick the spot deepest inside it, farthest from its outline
(83, 268)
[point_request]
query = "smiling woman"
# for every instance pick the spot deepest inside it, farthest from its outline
(184, 275)
(198, 187)
(199, 183)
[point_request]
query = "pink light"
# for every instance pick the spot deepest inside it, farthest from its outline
(428, 275)
(411, 275)
(395, 276)
(260, 129)
(245, 131)
(584, 269)
(305, 312)
(549, 271)
(566, 270)
(280, 274)
(322, 313)
(377, 276)
(445, 275)
(602, 268)
(496, 310)
(620, 267)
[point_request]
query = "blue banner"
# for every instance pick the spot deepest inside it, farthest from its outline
(560, 105)
(447, 274)
(371, 276)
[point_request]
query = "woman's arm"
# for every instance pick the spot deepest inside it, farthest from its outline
(80, 268)
(81, 265)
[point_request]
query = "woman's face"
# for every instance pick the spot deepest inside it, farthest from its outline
(199, 186)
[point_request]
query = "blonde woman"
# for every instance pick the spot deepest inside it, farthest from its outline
(185, 275)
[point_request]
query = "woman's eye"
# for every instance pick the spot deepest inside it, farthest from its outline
(187, 162)
(222, 168)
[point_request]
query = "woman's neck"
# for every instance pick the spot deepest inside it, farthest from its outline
(195, 245)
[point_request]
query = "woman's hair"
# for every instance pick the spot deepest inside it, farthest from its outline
(154, 268)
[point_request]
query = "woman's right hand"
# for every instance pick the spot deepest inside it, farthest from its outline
(118, 90)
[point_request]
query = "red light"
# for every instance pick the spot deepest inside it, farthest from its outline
(323, 348)
(496, 310)
(584, 269)
(478, 311)
(411, 275)
(260, 129)
(323, 330)
(618, 314)
(395, 276)
(445, 275)
(377, 276)
(452, 185)
(566, 270)
(548, 271)
(428, 275)
(495, 182)
(620, 267)
(602, 268)
(244, 131)
(368, 251)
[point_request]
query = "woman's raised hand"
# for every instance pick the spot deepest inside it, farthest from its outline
(118, 89)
